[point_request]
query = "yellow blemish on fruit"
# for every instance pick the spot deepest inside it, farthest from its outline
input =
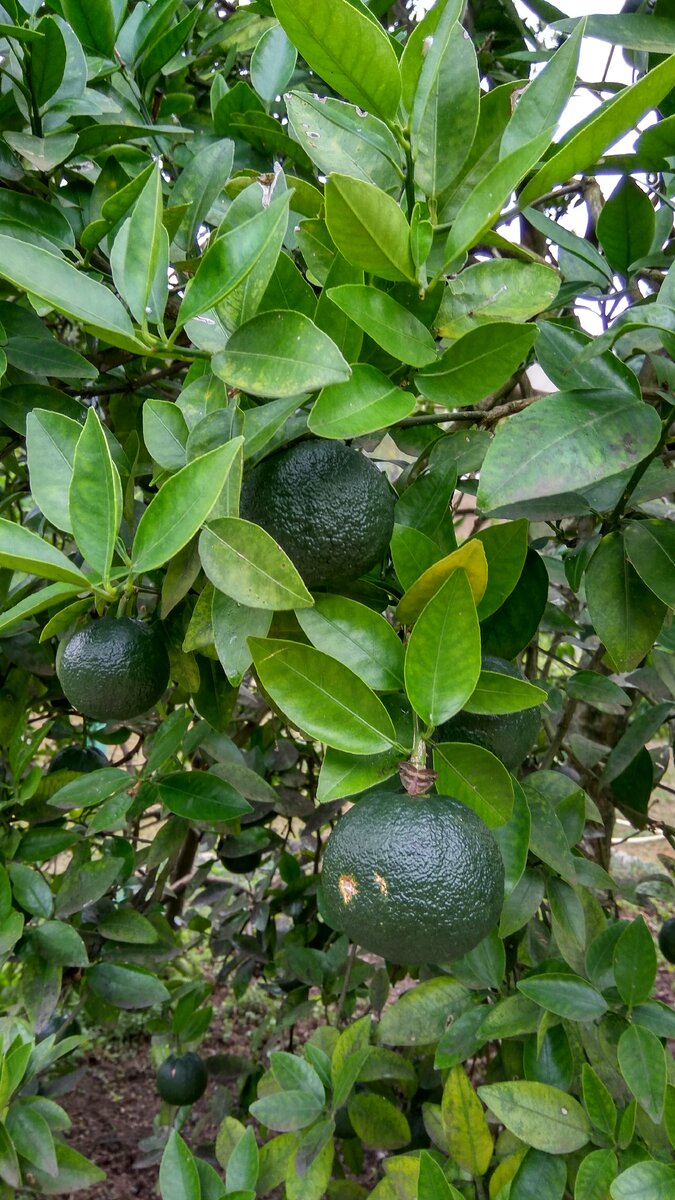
(381, 883)
(348, 888)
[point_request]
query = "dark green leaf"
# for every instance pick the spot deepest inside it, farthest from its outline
(198, 796)
(626, 615)
(625, 226)
(477, 364)
(287, 1110)
(94, 25)
(95, 498)
(126, 987)
(565, 995)
(650, 546)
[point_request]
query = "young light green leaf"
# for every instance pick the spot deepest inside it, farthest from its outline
(95, 498)
(496, 290)
(369, 228)
(322, 697)
(280, 354)
(442, 662)
(476, 365)
(68, 290)
(51, 438)
(245, 563)
(22, 550)
(365, 403)
(358, 637)
(180, 507)
(140, 253)
(477, 778)
(347, 49)
(387, 322)
(604, 127)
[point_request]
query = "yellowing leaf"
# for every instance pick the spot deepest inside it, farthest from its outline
(470, 557)
(469, 1138)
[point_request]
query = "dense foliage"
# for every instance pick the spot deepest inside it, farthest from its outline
(224, 230)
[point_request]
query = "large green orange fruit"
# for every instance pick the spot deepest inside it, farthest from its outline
(327, 505)
(113, 669)
(415, 879)
(182, 1080)
(509, 736)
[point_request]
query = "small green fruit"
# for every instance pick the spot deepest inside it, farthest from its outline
(182, 1080)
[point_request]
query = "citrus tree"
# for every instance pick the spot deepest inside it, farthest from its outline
(319, 497)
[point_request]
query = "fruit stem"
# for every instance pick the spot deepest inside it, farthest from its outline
(416, 777)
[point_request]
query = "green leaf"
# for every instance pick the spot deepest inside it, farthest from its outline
(497, 693)
(432, 1183)
(243, 1164)
(505, 549)
(540, 1115)
(367, 402)
(474, 776)
(477, 364)
(322, 697)
(563, 443)
(522, 902)
(558, 348)
(513, 839)
(587, 259)
(544, 100)
(592, 137)
(31, 890)
(340, 138)
(287, 1110)
(636, 32)
(232, 257)
(626, 225)
(421, 1014)
(626, 615)
(180, 507)
(32, 1137)
(642, 1060)
(483, 206)
(648, 1180)
(233, 624)
(387, 322)
(86, 884)
(442, 662)
(199, 185)
(166, 47)
(565, 995)
(650, 546)
(92, 788)
(446, 104)
(75, 1173)
(598, 1101)
(126, 925)
(272, 63)
(94, 25)
(378, 1122)
(59, 943)
(466, 1130)
(95, 498)
(347, 49)
(165, 433)
(640, 731)
(201, 796)
(68, 290)
(280, 354)
(369, 228)
(497, 290)
(22, 550)
(243, 561)
(178, 1175)
(635, 963)
(51, 438)
(358, 637)
(47, 61)
(126, 987)
(140, 255)
(413, 552)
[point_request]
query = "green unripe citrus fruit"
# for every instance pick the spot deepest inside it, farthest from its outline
(326, 505)
(509, 736)
(415, 879)
(182, 1080)
(113, 669)
(667, 940)
(77, 758)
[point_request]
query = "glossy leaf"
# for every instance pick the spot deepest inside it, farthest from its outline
(442, 661)
(649, 1180)
(287, 1110)
(598, 1101)
(95, 498)
(94, 25)
(387, 322)
(233, 624)
(626, 225)
(272, 63)
(469, 558)
(199, 185)
(368, 228)
(347, 49)
(477, 364)
(322, 697)
(497, 693)
(358, 637)
(477, 778)
(544, 100)
(243, 561)
(565, 995)
(126, 987)
(22, 550)
(505, 549)
(198, 796)
(165, 433)
(626, 614)
(650, 546)
(509, 630)
(280, 354)
(180, 507)
(412, 552)
(642, 1061)
(445, 107)
(558, 348)
(178, 1176)
(513, 839)
(47, 61)
(563, 443)
(432, 1183)
(496, 290)
(344, 139)
(365, 403)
